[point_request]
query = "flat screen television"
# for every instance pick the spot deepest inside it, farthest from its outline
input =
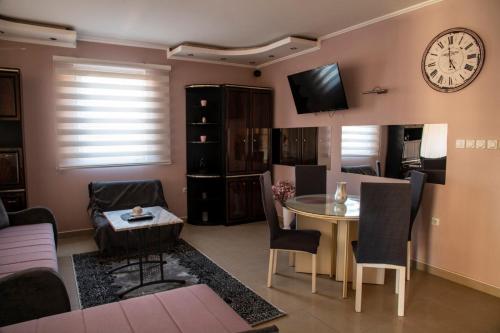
(318, 90)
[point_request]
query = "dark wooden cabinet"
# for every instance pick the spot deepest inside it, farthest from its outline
(12, 179)
(243, 143)
(295, 146)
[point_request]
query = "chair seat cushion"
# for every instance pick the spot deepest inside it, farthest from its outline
(191, 309)
(27, 246)
(297, 240)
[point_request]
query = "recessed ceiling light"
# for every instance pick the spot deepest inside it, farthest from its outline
(293, 48)
(53, 38)
(223, 59)
(251, 62)
(190, 55)
(271, 56)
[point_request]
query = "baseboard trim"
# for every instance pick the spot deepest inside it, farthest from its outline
(457, 278)
(74, 233)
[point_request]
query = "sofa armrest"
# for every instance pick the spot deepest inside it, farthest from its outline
(30, 294)
(269, 329)
(34, 215)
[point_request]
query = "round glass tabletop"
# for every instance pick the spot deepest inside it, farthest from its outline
(324, 206)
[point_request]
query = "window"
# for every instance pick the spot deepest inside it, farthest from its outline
(360, 140)
(111, 114)
(434, 141)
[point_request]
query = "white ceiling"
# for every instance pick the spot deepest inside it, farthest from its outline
(228, 23)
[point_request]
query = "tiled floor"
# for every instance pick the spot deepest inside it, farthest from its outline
(432, 304)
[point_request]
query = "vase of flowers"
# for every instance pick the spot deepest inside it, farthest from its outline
(282, 191)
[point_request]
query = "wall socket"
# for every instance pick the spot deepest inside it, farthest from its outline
(435, 221)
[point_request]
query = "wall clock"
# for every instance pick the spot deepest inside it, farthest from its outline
(453, 59)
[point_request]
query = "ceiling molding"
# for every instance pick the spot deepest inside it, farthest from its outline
(379, 19)
(313, 49)
(122, 42)
(253, 56)
(36, 34)
(214, 62)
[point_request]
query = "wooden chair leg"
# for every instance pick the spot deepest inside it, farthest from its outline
(408, 260)
(313, 274)
(354, 272)
(275, 261)
(270, 271)
(359, 287)
(396, 282)
(401, 296)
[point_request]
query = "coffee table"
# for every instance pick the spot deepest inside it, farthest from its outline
(119, 223)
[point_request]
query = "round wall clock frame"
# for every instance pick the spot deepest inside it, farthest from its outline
(453, 59)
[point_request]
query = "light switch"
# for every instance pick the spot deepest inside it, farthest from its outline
(470, 144)
(492, 144)
(460, 144)
(481, 144)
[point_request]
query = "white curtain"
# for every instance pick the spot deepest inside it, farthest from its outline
(360, 140)
(111, 114)
(434, 141)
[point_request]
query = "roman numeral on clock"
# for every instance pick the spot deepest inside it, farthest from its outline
(468, 46)
(441, 45)
(432, 64)
(468, 67)
(440, 80)
(450, 81)
(450, 39)
(471, 56)
(434, 72)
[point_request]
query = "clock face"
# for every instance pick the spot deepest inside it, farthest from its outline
(453, 59)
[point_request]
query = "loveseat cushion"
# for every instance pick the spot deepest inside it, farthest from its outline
(27, 246)
(191, 309)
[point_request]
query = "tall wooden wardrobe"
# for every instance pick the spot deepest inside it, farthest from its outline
(228, 134)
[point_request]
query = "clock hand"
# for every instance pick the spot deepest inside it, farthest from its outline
(449, 58)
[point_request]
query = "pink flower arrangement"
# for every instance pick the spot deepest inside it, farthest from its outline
(283, 190)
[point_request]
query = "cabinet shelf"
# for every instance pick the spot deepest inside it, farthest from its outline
(202, 124)
(203, 143)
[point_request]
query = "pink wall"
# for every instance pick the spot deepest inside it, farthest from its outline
(65, 192)
(388, 54)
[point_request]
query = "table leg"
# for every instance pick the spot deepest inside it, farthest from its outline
(346, 260)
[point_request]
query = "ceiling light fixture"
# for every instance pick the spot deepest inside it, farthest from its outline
(53, 38)
(251, 62)
(271, 56)
(293, 48)
(190, 55)
(223, 59)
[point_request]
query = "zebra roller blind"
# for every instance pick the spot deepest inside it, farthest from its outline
(360, 140)
(111, 114)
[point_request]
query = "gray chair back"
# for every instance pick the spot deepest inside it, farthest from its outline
(4, 218)
(268, 204)
(384, 221)
(310, 179)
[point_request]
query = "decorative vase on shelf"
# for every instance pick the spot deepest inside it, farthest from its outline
(288, 217)
(341, 193)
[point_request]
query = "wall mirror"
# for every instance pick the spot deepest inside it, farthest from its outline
(393, 151)
(302, 146)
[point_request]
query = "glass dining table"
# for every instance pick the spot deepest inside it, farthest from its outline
(338, 226)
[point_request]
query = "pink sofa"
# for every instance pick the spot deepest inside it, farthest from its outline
(185, 310)
(30, 286)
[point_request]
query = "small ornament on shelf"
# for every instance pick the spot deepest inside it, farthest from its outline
(204, 120)
(203, 102)
(203, 138)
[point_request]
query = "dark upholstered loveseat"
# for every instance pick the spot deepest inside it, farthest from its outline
(118, 195)
(30, 286)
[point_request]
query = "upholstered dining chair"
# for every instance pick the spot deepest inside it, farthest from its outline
(384, 221)
(417, 183)
(310, 179)
(285, 240)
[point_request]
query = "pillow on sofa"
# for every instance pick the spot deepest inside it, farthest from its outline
(4, 218)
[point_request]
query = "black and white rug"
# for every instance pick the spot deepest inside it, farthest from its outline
(184, 262)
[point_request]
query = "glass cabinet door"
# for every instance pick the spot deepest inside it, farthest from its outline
(238, 107)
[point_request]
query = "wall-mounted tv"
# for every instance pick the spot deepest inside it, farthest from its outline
(318, 90)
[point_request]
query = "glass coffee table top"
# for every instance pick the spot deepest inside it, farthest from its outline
(324, 206)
